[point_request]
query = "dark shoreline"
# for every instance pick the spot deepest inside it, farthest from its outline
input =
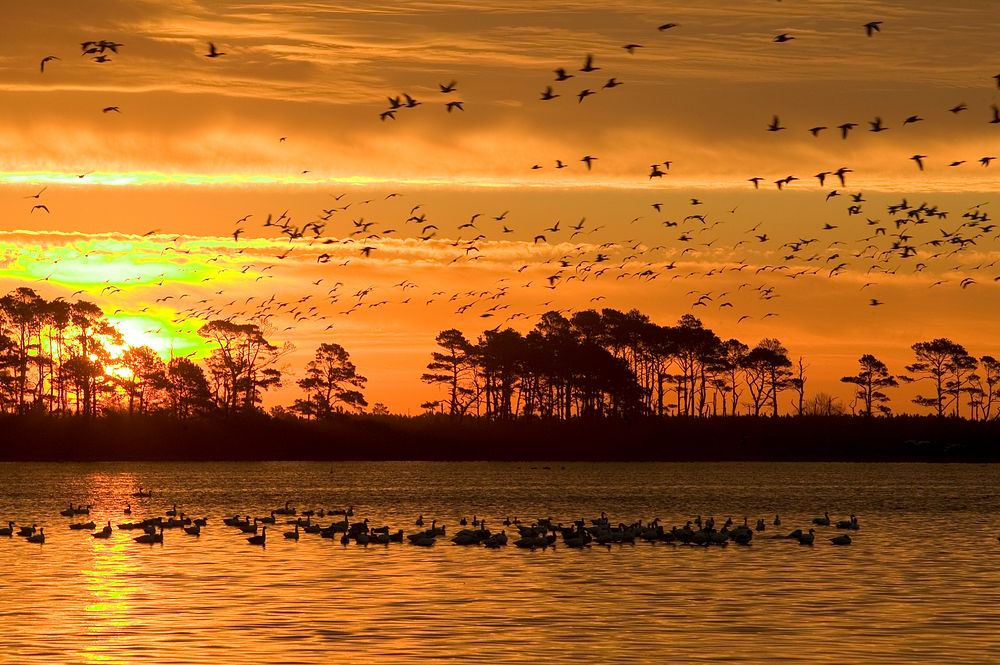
(376, 438)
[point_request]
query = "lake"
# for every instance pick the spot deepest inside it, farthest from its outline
(920, 582)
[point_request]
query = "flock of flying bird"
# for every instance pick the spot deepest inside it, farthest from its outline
(902, 236)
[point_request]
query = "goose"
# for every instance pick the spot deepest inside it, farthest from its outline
(851, 523)
(842, 539)
(345, 539)
(80, 526)
(267, 520)
(807, 538)
(362, 539)
(142, 495)
(259, 540)
(68, 512)
(38, 537)
(202, 521)
(760, 524)
(150, 537)
(287, 510)
(777, 521)
(172, 512)
(81, 510)
(293, 535)
(9, 531)
(422, 540)
(128, 509)
(420, 521)
(103, 533)
(193, 530)
(822, 521)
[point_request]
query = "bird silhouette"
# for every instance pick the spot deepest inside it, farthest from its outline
(872, 27)
(784, 37)
(213, 52)
(48, 58)
(588, 65)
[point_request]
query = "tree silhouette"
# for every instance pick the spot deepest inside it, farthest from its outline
(453, 368)
(872, 379)
(187, 389)
(242, 364)
(987, 388)
(331, 383)
(945, 364)
(145, 375)
(767, 371)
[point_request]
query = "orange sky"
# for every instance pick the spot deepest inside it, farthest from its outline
(196, 146)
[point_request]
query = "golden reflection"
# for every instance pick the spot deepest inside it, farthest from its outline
(109, 573)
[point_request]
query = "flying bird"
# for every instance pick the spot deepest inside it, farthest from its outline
(547, 94)
(448, 88)
(110, 109)
(775, 125)
(47, 58)
(919, 159)
(872, 27)
(588, 65)
(666, 26)
(784, 37)
(40, 206)
(213, 52)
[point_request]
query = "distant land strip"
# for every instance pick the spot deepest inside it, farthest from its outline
(376, 438)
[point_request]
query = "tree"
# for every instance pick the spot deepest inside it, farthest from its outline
(453, 368)
(145, 374)
(944, 363)
(988, 386)
(872, 378)
(767, 373)
(187, 389)
(331, 383)
(242, 364)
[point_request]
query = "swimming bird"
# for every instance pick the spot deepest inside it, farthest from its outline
(38, 537)
(822, 521)
(8, 530)
(293, 535)
(260, 539)
(842, 539)
(807, 538)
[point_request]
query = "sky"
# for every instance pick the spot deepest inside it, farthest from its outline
(146, 162)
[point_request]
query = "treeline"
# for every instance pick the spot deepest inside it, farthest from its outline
(621, 364)
(66, 358)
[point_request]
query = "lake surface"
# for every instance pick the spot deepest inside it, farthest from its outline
(920, 583)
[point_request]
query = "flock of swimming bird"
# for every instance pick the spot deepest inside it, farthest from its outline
(909, 238)
(538, 534)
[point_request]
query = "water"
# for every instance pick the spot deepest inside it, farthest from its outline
(920, 582)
